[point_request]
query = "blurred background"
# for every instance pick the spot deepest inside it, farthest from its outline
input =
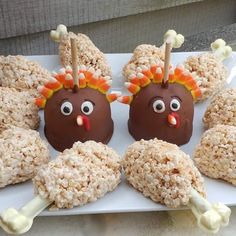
(114, 25)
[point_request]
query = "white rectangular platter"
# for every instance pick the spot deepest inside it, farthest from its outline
(124, 198)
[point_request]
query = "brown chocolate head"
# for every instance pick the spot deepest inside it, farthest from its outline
(81, 116)
(76, 115)
(161, 112)
(158, 110)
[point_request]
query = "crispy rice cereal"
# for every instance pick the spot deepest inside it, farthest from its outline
(79, 175)
(89, 55)
(209, 72)
(222, 109)
(215, 155)
(20, 73)
(146, 55)
(22, 152)
(18, 109)
(161, 171)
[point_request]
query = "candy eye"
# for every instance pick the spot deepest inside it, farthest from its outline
(158, 106)
(66, 108)
(174, 105)
(87, 107)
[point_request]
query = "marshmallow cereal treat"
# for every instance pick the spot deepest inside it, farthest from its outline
(18, 109)
(20, 73)
(161, 171)
(22, 152)
(146, 55)
(222, 109)
(208, 69)
(88, 54)
(167, 175)
(215, 155)
(79, 175)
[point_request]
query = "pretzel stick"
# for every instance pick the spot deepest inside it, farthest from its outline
(74, 63)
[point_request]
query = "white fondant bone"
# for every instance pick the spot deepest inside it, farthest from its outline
(210, 217)
(19, 222)
(175, 39)
(58, 33)
(220, 49)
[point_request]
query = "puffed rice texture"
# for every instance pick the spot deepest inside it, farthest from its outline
(162, 171)
(88, 54)
(209, 72)
(18, 109)
(79, 175)
(215, 155)
(22, 152)
(222, 109)
(145, 55)
(22, 74)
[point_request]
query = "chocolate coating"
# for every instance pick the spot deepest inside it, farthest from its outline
(62, 130)
(145, 123)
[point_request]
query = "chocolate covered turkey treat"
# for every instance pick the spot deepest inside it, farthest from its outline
(146, 54)
(78, 176)
(208, 69)
(88, 54)
(162, 103)
(17, 108)
(222, 109)
(215, 155)
(22, 153)
(77, 115)
(167, 175)
(22, 74)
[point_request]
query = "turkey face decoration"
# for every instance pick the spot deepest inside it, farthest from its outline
(76, 115)
(158, 110)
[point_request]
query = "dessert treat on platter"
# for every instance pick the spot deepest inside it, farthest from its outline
(22, 153)
(215, 155)
(208, 69)
(146, 55)
(18, 109)
(88, 54)
(79, 175)
(76, 106)
(167, 175)
(222, 109)
(20, 73)
(162, 102)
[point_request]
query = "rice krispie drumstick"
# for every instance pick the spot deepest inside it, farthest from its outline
(208, 69)
(76, 177)
(88, 54)
(166, 174)
(146, 55)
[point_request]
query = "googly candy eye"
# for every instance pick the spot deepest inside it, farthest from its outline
(87, 107)
(174, 104)
(66, 108)
(158, 106)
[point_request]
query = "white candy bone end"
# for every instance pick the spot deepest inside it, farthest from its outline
(14, 222)
(175, 39)
(58, 33)
(220, 49)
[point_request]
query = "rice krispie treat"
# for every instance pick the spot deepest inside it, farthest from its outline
(22, 74)
(22, 152)
(18, 109)
(215, 155)
(146, 55)
(88, 54)
(76, 177)
(166, 174)
(222, 109)
(208, 69)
